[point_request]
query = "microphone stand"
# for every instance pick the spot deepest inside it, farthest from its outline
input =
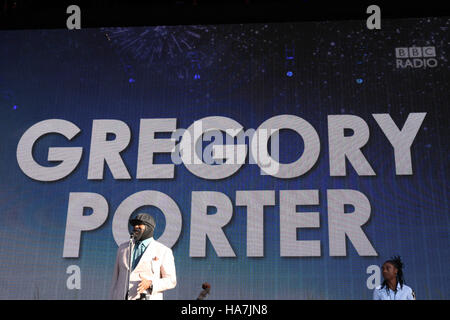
(127, 283)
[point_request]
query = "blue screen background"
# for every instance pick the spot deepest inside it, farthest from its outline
(249, 73)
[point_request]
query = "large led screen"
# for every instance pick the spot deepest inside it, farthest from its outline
(280, 160)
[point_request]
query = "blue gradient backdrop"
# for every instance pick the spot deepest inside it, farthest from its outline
(248, 73)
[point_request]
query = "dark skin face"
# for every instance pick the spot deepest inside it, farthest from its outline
(390, 274)
(138, 229)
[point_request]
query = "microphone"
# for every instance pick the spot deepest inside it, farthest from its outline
(206, 288)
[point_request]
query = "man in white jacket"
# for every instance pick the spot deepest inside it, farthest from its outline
(152, 264)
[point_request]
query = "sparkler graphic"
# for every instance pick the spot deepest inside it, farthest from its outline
(190, 52)
(149, 45)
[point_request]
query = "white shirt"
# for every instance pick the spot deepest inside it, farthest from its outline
(402, 293)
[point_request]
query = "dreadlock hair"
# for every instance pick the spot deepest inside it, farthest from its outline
(396, 262)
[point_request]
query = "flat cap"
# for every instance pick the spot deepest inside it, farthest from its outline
(143, 218)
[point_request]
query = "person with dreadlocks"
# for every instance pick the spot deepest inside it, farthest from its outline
(393, 286)
(152, 268)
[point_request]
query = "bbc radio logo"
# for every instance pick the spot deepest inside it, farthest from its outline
(416, 57)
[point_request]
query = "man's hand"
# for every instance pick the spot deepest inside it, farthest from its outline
(144, 284)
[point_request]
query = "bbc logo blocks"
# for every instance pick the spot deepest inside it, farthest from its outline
(415, 52)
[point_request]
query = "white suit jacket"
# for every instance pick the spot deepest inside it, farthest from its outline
(157, 264)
